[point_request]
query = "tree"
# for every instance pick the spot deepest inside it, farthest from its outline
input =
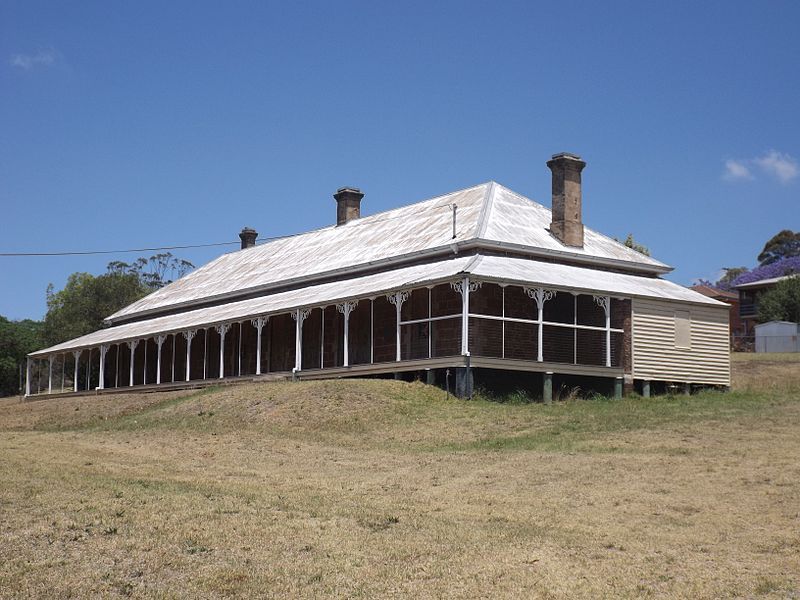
(782, 302)
(634, 245)
(86, 299)
(783, 244)
(784, 266)
(17, 338)
(729, 276)
(154, 272)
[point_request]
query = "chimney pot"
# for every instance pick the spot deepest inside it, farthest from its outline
(348, 204)
(248, 237)
(567, 223)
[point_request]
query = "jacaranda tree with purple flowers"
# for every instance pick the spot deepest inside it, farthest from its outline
(779, 268)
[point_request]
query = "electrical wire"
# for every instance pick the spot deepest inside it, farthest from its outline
(377, 218)
(91, 252)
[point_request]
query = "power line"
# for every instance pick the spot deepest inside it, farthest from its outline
(377, 218)
(90, 252)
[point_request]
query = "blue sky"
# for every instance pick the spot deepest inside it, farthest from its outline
(127, 125)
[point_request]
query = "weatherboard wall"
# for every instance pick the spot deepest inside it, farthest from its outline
(685, 343)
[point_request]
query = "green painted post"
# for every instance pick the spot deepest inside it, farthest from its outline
(547, 388)
(618, 388)
(646, 388)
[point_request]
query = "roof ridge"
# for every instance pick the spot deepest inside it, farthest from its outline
(367, 219)
(522, 197)
(488, 202)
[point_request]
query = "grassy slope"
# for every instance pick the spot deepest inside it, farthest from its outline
(377, 488)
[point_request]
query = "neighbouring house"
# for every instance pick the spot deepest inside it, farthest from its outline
(729, 298)
(777, 336)
(749, 294)
(479, 286)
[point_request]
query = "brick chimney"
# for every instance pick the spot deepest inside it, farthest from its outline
(248, 237)
(567, 224)
(348, 204)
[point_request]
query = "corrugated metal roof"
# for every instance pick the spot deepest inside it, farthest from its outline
(570, 277)
(488, 213)
(496, 268)
(318, 295)
(764, 282)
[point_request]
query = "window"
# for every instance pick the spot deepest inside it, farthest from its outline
(683, 329)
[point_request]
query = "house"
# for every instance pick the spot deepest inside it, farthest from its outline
(749, 294)
(478, 285)
(729, 298)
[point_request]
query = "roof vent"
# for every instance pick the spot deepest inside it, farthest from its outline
(348, 204)
(248, 237)
(567, 224)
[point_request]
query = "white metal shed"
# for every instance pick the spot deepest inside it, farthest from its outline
(778, 336)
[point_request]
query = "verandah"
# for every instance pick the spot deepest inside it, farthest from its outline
(450, 319)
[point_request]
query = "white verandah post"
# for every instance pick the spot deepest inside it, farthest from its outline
(259, 323)
(540, 295)
(159, 342)
(240, 349)
(299, 315)
(50, 374)
(76, 354)
(503, 322)
(189, 335)
(222, 330)
(346, 308)
(101, 384)
(322, 340)
(205, 353)
(371, 330)
(28, 362)
(430, 323)
(604, 302)
(397, 299)
(464, 288)
(132, 345)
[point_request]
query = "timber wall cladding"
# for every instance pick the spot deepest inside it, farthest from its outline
(659, 351)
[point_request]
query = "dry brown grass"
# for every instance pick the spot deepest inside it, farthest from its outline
(380, 489)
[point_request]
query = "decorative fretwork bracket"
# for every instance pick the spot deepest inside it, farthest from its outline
(603, 302)
(458, 286)
(398, 298)
(259, 322)
(347, 307)
(301, 314)
(540, 295)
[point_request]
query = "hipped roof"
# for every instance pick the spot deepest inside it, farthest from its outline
(488, 215)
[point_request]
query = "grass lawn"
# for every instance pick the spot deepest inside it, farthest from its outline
(383, 488)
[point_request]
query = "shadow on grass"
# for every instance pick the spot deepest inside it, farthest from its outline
(576, 425)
